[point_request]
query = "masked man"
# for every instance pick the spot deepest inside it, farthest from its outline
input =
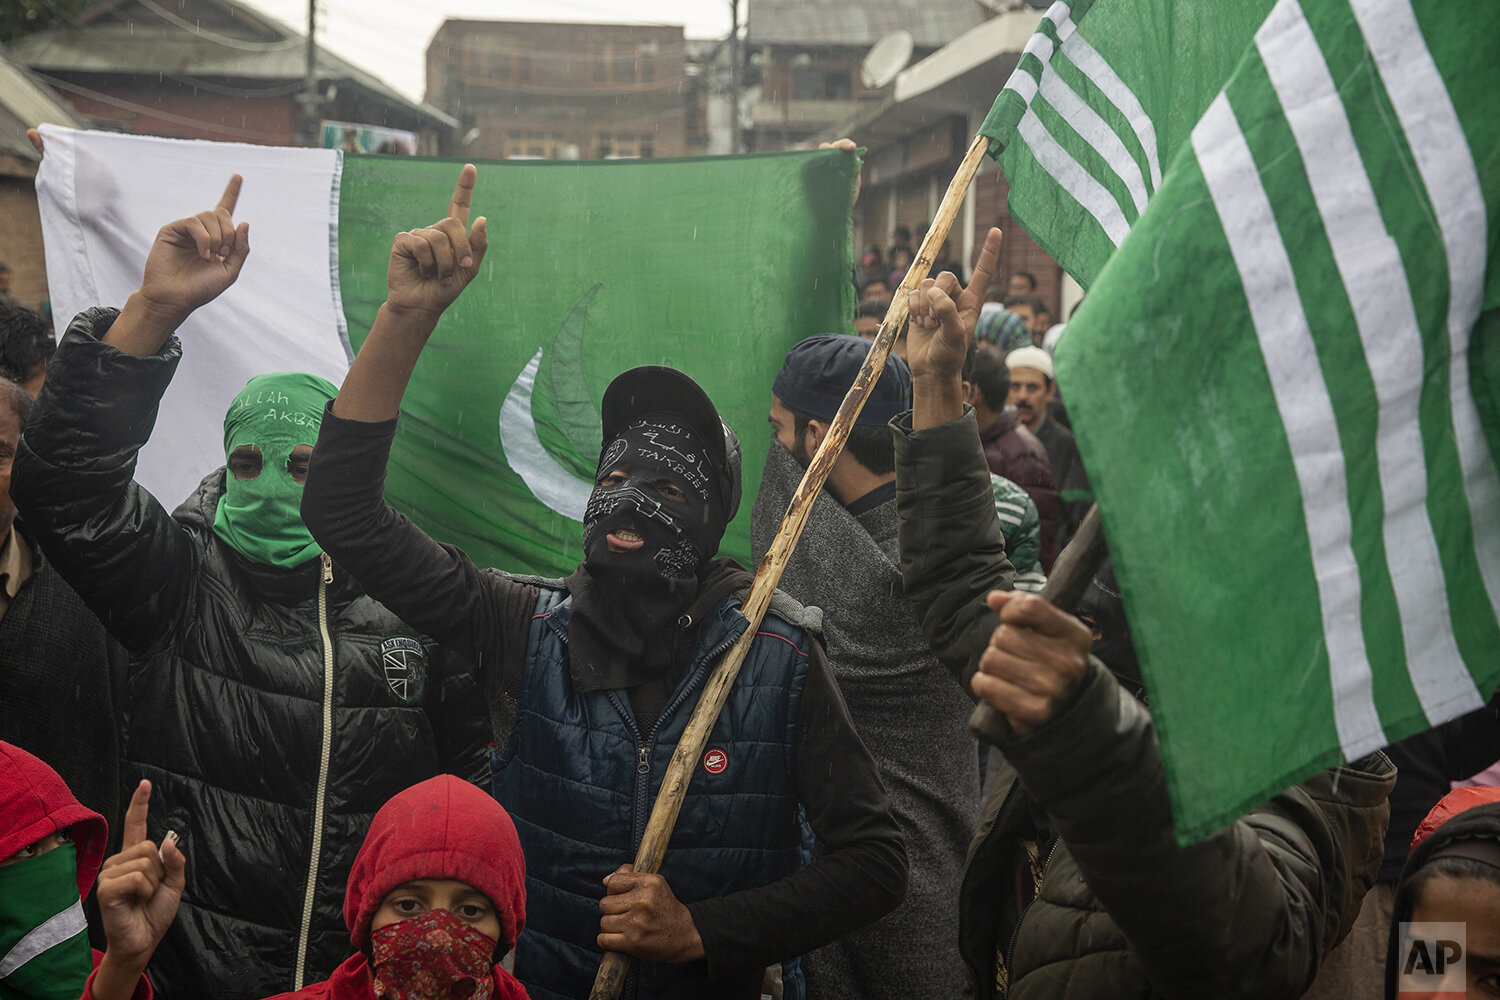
(600, 672)
(273, 705)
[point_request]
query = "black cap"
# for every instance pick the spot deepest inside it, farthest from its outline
(650, 389)
(819, 371)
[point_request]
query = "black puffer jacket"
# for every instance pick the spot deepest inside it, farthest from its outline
(273, 710)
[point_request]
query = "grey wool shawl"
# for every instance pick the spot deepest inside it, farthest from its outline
(910, 712)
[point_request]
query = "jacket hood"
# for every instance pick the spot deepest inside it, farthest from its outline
(1465, 814)
(35, 802)
(1459, 817)
(442, 828)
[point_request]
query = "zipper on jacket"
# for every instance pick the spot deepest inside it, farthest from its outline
(320, 800)
(643, 747)
(1010, 950)
(645, 743)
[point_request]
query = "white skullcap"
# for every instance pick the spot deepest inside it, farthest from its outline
(1031, 357)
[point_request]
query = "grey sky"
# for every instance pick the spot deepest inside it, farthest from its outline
(389, 37)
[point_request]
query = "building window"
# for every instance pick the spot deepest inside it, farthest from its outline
(814, 83)
(496, 60)
(805, 84)
(618, 64)
(534, 145)
(625, 146)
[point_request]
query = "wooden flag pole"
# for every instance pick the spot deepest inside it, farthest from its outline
(612, 969)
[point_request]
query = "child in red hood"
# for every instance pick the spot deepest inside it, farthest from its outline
(51, 848)
(436, 897)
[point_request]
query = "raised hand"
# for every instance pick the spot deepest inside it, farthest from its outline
(430, 267)
(195, 259)
(943, 317)
(138, 892)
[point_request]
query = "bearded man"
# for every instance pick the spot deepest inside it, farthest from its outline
(274, 706)
(592, 680)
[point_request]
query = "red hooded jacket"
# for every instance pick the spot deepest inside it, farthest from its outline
(442, 828)
(34, 803)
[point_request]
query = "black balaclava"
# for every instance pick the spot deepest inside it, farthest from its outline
(626, 604)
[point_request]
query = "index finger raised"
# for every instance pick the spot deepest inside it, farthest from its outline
(135, 816)
(231, 193)
(984, 268)
(463, 195)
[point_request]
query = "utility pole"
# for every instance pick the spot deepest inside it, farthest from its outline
(734, 76)
(310, 98)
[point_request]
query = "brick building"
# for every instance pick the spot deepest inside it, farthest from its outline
(210, 69)
(917, 135)
(566, 91)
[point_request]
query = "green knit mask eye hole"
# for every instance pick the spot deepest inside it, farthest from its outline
(269, 432)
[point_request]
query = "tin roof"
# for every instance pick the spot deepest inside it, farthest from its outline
(25, 102)
(150, 45)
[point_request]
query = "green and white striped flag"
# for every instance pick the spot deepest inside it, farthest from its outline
(1105, 92)
(1286, 387)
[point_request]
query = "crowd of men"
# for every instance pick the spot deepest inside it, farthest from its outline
(280, 741)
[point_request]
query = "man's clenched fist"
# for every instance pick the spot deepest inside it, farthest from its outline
(1035, 662)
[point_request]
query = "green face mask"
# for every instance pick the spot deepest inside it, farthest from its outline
(44, 943)
(261, 517)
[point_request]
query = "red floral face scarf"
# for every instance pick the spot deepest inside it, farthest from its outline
(437, 955)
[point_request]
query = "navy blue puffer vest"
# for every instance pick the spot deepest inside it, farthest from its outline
(579, 778)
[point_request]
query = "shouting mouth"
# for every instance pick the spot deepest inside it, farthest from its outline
(624, 540)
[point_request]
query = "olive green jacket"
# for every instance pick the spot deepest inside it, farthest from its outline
(1123, 910)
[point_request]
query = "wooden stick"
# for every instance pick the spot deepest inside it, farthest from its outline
(1065, 587)
(612, 969)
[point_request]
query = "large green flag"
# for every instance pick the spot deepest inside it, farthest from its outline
(714, 265)
(1286, 387)
(1105, 92)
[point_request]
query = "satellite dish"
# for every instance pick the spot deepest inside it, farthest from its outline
(885, 59)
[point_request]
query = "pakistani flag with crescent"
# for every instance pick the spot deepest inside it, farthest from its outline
(711, 265)
(1285, 380)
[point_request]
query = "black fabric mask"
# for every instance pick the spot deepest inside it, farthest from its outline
(626, 604)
